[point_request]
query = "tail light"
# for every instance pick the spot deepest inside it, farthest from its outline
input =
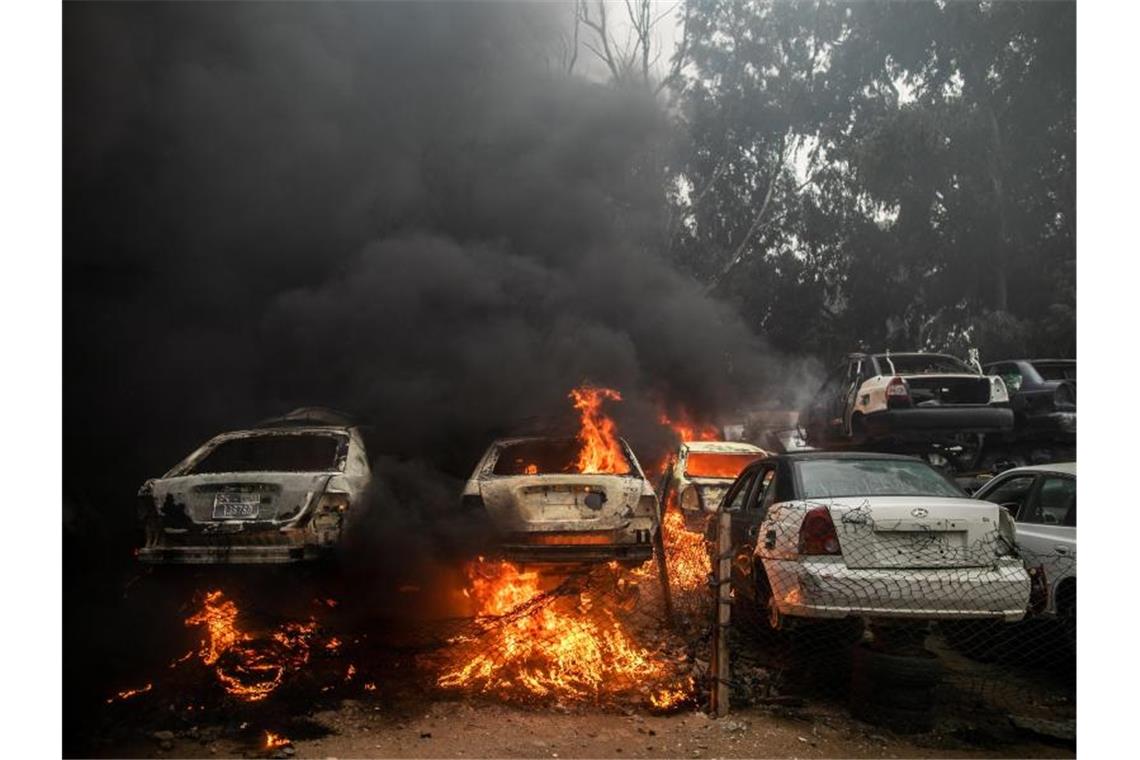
(647, 506)
(897, 393)
(817, 533)
(999, 393)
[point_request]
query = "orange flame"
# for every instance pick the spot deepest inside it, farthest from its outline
(566, 646)
(275, 741)
(687, 430)
(687, 561)
(601, 451)
(248, 668)
(130, 693)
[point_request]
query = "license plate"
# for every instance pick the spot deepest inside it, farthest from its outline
(236, 506)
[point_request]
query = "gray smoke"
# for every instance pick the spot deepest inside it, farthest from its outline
(401, 210)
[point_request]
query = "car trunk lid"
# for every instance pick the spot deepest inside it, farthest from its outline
(915, 532)
(268, 498)
(941, 390)
(561, 502)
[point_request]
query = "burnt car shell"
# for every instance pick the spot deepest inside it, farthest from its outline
(279, 493)
(548, 514)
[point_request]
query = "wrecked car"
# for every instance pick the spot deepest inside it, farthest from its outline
(701, 471)
(905, 397)
(874, 536)
(1043, 395)
(545, 509)
(280, 492)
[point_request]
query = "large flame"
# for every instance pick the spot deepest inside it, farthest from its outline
(247, 667)
(601, 452)
(561, 645)
(686, 429)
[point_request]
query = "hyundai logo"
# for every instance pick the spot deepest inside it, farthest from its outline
(919, 512)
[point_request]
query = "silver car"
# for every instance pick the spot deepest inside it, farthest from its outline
(1043, 501)
(278, 493)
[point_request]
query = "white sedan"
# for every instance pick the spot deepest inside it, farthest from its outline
(873, 536)
(1043, 501)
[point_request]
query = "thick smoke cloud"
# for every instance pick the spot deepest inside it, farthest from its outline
(398, 210)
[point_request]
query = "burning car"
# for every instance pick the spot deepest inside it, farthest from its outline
(550, 502)
(701, 471)
(877, 536)
(280, 492)
(905, 397)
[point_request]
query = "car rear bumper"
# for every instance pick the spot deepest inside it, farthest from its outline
(578, 547)
(949, 419)
(1052, 422)
(229, 555)
(825, 587)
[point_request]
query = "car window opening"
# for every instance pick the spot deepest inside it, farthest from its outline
(546, 457)
(717, 465)
(310, 452)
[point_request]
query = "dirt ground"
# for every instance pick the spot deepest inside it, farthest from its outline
(461, 729)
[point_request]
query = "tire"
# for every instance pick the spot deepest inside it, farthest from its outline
(881, 670)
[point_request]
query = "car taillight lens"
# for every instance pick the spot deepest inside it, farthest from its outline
(897, 393)
(817, 533)
(999, 394)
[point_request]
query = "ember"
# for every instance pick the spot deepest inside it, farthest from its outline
(247, 667)
(130, 693)
(601, 451)
(275, 741)
(566, 645)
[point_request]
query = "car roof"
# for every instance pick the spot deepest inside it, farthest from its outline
(310, 416)
(723, 447)
(1033, 361)
(1063, 468)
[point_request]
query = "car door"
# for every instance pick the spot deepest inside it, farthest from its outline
(1047, 527)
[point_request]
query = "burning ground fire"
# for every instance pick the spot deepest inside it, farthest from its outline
(248, 668)
(567, 644)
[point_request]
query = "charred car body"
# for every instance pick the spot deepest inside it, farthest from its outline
(278, 493)
(544, 509)
(914, 397)
(1043, 396)
(701, 471)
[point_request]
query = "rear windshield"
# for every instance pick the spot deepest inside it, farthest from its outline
(307, 452)
(546, 457)
(922, 364)
(707, 464)
(823, 478)
(1056, 371)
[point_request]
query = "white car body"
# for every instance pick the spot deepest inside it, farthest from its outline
(706, 491)
(565, 517)
(1043, 538)
(256, 514)
(903, 557)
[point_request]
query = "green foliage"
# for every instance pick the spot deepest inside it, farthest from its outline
(883, 174)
